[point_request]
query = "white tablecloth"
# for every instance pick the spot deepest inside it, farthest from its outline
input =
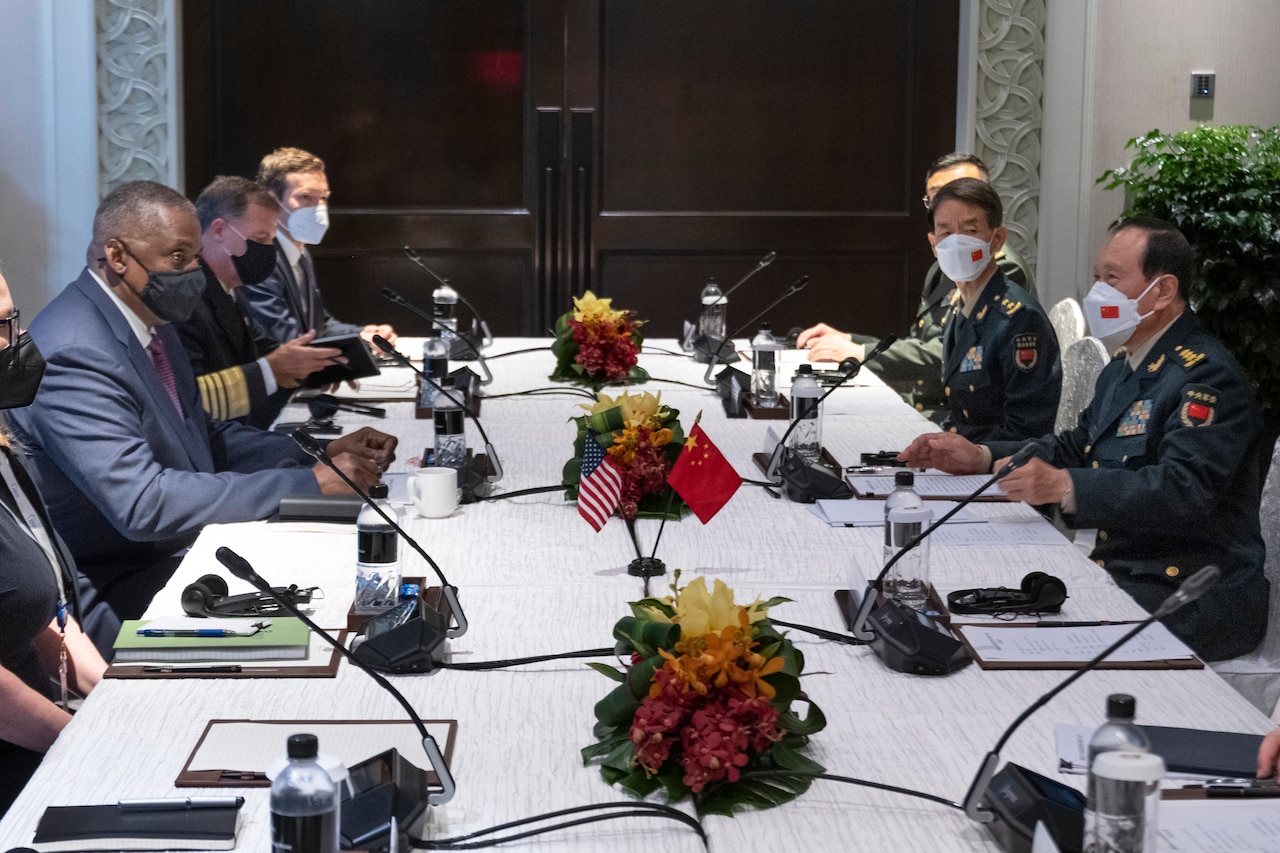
(535, 578)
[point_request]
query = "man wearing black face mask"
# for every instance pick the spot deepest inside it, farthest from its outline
(130, 464)
(241, 375)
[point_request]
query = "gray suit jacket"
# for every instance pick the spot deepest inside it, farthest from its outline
(277, 307)
(128, 481)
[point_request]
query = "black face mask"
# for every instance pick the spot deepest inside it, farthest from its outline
(21, 367)
(171, 296)
(256, 264)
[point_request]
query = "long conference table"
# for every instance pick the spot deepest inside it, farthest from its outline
(534, 578)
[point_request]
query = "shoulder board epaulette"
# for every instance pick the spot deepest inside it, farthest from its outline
(1009, 306)
(1188, 357)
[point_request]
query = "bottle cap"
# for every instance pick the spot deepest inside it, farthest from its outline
(1121, 706)
(378, 491)
(765, 327)
(805, 369)
(303, 746)
(904, 478)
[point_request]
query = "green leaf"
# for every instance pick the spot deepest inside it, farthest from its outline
(790, 759)
(759, 792)
(812, 723)
(608, 671)
(603, 748)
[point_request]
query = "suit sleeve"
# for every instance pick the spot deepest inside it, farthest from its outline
(230, 393)
(91, 424)
(908, 360)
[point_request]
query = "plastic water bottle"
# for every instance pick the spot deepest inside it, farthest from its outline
(905, 517)
(444, 307)
(1123, 810)
(435, 364)
(451, 438)
(377, 556)
(1117, 734)
(764, 368)
(304, 802)
(806, 438)
(714, 316)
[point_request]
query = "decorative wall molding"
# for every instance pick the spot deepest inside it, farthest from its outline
(137, 92)
(1010, 91)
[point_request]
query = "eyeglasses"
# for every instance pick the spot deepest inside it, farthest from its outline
(11, 327)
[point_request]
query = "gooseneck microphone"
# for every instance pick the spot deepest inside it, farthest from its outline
(797, 286)
(850, 367)
(486, 335)
(392, 296)
(1190, 590)
(312, 448)
(386, 347)
(240, 567)
(860, 629)
(760, 264)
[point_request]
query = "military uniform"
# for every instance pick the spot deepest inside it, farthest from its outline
(1000, 369)
(913, 366)
(1164, 463)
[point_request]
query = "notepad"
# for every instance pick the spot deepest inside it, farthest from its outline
(112, 828)
(285, 639)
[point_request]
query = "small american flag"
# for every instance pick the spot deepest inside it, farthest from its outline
(601, 486)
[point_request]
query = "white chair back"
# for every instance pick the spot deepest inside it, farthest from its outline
(1257, 675)
(1068, 323)
(1081, 364)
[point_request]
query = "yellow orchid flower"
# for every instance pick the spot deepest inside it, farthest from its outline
(591, 306)
(700, 612)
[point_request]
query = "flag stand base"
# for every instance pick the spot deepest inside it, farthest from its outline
(646, 567)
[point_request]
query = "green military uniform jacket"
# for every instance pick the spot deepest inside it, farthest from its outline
(1001, 373)
(913, 365)
(1164, 462)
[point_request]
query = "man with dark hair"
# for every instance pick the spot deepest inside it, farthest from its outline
(240, 374)
(1164, 461)
(913, 367)
(130, 464)
(1000, 369)
(288, 302)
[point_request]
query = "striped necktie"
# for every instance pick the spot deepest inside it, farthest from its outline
(160, 358)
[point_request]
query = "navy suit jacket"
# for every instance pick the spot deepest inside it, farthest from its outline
(128, 480)
(277, 308)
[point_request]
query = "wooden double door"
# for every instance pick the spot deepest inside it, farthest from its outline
(533, 149)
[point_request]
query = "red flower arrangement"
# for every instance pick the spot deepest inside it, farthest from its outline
(597, 345)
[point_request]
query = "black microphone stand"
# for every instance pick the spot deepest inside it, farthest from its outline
(240, 567)
(705, 343)
(313, 449)
(392, 296)
(386, 347)
(795, 288)
(486, 337)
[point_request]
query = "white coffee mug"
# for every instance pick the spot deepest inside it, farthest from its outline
(434, 491)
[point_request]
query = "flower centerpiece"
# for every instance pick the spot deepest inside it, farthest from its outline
(596, 345)
(705, 708)
(644, 438)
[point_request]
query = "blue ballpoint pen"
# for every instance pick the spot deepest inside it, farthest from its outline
(200, 632)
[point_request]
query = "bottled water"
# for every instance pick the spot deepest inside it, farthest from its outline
(1118, 817)
(377, 556)
(451, 439)
(764, 368)
(714, 316)
(435, 364)
(304, 802)
(806, 438)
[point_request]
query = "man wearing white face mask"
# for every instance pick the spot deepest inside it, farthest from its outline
(288, 302)
(1000, 369)
(1164, 461)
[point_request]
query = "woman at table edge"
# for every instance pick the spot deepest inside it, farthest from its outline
(31, 639)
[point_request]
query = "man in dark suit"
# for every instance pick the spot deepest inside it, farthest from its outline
(130, 464)
(241, 374)
(913, 366)
(288, 302)
(1164, 461)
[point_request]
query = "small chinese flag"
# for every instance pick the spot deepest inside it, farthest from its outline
(1109, 312)
(702, 476)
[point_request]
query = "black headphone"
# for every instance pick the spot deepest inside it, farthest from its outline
(1040, 593)
(208, 597)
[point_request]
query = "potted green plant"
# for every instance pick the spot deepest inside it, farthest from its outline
(1221, 186)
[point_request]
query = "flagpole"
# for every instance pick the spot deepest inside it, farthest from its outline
(671, 493)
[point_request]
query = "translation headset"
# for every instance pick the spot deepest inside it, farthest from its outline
(208, 597)
(1039, 593)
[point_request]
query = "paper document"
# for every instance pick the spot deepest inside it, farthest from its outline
(998, 533)
(253, 746)
(855, 513)
(1219, 826)
(1073, 645)
(928, 486)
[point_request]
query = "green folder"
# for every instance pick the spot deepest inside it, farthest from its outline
(285, 639)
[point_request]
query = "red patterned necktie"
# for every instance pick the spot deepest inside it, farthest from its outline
(160, 357)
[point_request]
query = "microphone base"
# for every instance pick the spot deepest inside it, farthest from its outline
(706, 349)
(383, 787)
(905, 640)
(806, 483)
(399, 645)
(1020, 798)
(464, 347)
(646, 567)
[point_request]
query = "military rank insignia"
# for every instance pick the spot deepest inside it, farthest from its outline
(1199, 405)
(972, 360)
(1026, 351)
(1135, 420)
